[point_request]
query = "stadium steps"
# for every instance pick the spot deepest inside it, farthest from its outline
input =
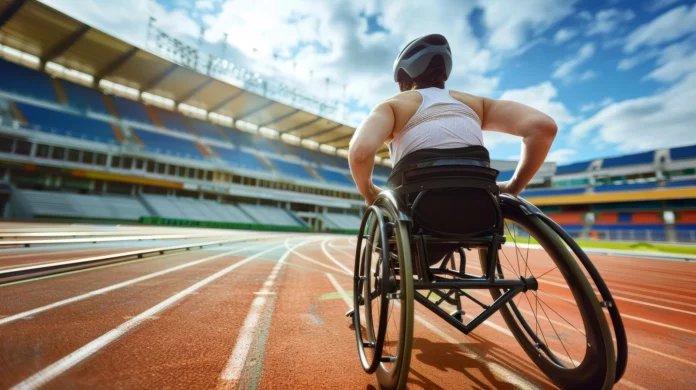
(205, 150)
(153, 116)
(189, 126)
(60, 92)
(18, 114)
(265, 162)
(118, 133)
(109, 103)
(133, 137)
(312, 172)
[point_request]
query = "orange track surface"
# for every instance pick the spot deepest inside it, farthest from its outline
(245, 329)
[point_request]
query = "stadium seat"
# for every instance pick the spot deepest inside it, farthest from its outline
(171, 120)
(205, 129)
(26, 82)
(573, 168)
(270, 215)
(683, 153)
(505, 175)
(568, 217)
(132, 110)
(291, 169)
(335, 177)
(63, 204)
(240, 159)
(164, 144)
(69, 125)
(681, 183)
(625, 187)
(537, 192)
(85, 98)
(631, 159)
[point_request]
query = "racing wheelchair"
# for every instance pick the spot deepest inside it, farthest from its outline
(443, 235)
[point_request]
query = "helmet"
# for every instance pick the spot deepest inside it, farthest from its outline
(416, 56)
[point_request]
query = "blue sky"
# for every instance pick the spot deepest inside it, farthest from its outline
(618, 76)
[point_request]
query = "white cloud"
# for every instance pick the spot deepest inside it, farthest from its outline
(564, 34)
(596, 105)
(656, 5)
(561, 155)
(669, 26)
(661, 120)
(565, 69)
(511, 22)
(643, 56)
(205, 4)
(606, 21)
(543, 98)
(675, 62)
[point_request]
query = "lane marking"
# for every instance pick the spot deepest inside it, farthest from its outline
(311, 260)
(495, 368)
(117, 286)
(247, 334)
(326, 252)
(52, 371)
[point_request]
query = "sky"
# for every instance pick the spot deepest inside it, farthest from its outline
(617, 76)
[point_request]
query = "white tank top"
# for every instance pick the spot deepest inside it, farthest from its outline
(441, 122)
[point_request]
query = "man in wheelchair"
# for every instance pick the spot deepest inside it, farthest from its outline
(442, 200)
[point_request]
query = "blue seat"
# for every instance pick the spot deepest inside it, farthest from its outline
(625, 187)
(164, 144)
(293, 170)
(573, 168)
(505, 175)
(69, 125)
(205, 129)
(131, 110)
(85, 98)
(682, 183)
(631, 159)
(553, 191)
(172, 120)
(26, 82)
(240, 159)
(337, 177)
(683, 153)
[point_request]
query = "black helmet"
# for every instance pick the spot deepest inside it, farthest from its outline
(416, 56)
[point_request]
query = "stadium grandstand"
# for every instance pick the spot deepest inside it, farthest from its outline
(95, 128)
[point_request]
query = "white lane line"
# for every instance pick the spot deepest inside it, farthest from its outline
(340, 290)
(235, 364)
(496, 369)
(326, 252)
(311, 260)
(620, 298)
(569, 327)
(49, 373)
(624, 299)
(117, 286)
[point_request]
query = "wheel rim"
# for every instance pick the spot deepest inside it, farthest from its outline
(558, 325)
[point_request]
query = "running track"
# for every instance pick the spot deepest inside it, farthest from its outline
(266, 310)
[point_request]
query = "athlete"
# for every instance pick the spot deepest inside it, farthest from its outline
(425, 115)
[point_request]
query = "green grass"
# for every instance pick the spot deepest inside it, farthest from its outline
(628, 246)
(640, 246)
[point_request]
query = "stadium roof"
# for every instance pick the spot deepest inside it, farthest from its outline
(39, 30)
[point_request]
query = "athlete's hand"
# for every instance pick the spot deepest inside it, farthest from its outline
(372, 194)
(508, 187)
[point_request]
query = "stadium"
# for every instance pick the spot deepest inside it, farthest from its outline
(135, 180)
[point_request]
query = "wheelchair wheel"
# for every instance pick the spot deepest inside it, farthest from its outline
(561, 325)
(383, 296)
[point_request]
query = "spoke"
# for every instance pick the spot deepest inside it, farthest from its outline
(563, 318)
(557, 297)
(526, 266)
(557, 335)
(514, 239)
(539, 277)
(509, 262)
(536, 321)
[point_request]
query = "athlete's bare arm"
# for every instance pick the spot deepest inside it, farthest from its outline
(537, 130)
(372, 133)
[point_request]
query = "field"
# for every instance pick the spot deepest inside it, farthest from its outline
(205, 308)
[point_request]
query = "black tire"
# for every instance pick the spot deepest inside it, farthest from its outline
(597, 369)
(391, 374)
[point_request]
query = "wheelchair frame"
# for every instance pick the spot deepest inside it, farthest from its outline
(451, 290)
